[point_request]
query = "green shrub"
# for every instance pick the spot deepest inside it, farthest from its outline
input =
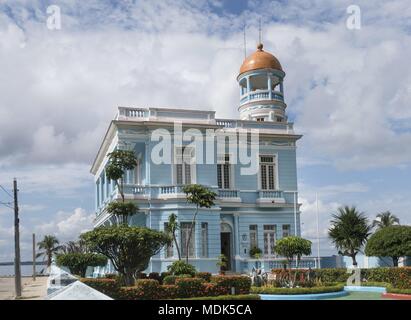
(398, 277)
(180, 267)
(145, 289)
(155, 276)
(169, 292)
(164, 274)
(189, 287)
(204, 275)
(211, 289)
(241, 284)
(390, 289)
(109, 287)
(78, 262)
(273, 290)
(172, 279)
(332, 274)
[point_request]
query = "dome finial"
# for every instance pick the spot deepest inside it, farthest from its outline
(260, 46)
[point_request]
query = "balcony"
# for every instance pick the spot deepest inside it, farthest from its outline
(268, 197)
(228, 195)
(261, 95)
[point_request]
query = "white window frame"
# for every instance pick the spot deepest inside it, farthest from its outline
(191, 254)
(266, 237)
(283, 229)
(255, 232)
(275, 164)
(204, 239)
(221, 161)
(180, 157)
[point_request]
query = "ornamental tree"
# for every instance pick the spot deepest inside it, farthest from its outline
(392, 241)
(119, 162)
(202, 197)
(78, 262)
(293, 247)
(349, 231)
(128, 248)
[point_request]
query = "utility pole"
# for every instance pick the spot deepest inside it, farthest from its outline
(17, 270)
(34, 257)
(318, 233)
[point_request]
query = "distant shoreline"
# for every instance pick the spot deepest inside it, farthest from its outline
(23, 263)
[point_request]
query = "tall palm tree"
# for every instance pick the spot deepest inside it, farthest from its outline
(172, 228)
(349, 231)
(74, 247)
(385, 219)
(50, 245)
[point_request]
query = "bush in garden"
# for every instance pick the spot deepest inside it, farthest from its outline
(172, 279)
(145, 289)
(155, 276)
(180, 267)
(189, 287)
(206, 276)
(242, 284)
(77, 262)
(109, 287)
(141, 275)
(164, 274)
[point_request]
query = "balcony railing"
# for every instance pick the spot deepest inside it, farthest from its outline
(227, 193)
(261, 95)
(271, 194)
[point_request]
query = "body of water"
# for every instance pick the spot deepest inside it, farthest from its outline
(26, 270)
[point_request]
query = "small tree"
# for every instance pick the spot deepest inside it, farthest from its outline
(392, 241)
(78, 262)
(172, 228)
(50, 245)
(349, 231)
(128, 248)
(385, 219)
(202, 198)
(119, 162)
(122, 210)
(293, 247)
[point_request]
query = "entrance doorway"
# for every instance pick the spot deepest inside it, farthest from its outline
(226, 249)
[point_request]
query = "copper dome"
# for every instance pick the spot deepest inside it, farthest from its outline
(260, 60)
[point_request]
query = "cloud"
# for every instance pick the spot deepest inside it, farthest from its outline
(67, 225)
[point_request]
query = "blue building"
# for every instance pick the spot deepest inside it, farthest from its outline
(254, 208)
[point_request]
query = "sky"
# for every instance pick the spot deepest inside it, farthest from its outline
(348, 92)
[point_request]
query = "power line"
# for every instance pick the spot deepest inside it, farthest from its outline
(4, 189)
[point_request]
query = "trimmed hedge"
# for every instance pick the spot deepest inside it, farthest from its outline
(390, 289)
(172, 279)
(189, 287)
(204, 275)
(313, 290)
(109, 287)
(241, 284)
(399, 277)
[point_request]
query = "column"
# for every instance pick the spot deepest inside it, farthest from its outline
(248, 84)
(269, 85)
(281, 87)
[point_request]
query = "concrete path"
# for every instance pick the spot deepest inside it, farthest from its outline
(32, 290)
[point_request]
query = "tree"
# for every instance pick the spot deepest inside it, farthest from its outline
(74, 247)
(385, 219)
(202, 198)
(391, 241)
(349, 231)
(50, 245)
(293, 247)
(78, 262)
(172, 228)
(122, 210)
(128, 248)
(118, 163)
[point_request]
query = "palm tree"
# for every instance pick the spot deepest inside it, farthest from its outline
(349, 231)
(385, 219)
(74, 247)
(172, 228)
(50, 246)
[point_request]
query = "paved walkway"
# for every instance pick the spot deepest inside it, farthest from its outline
(32, 290)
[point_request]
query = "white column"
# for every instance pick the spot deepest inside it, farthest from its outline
(269, 84)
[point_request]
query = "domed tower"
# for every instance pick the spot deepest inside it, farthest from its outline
(261, 88)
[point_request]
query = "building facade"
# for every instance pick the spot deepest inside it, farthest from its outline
(254, 208)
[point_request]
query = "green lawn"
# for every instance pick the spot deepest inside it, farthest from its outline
(361, 296)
